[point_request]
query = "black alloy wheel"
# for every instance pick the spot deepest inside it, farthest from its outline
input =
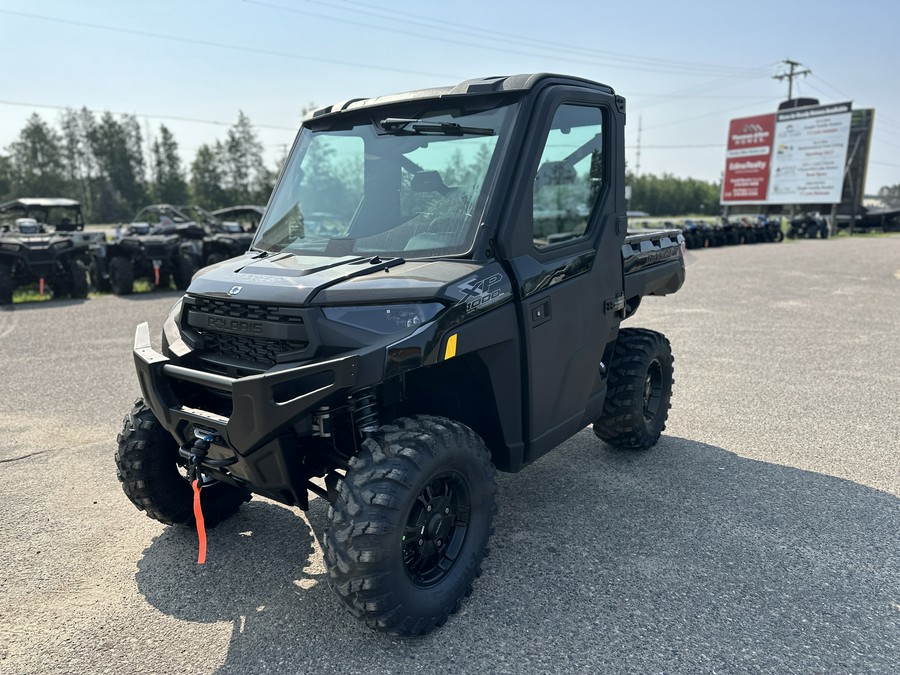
(653, 390)
(436, 529)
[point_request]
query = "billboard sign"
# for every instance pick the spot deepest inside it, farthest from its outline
(795, 156)
(747, 159)
(810, 155)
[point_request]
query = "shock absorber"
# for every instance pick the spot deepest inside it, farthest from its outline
(364, 406)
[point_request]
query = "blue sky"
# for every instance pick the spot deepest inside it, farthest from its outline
(685, 68)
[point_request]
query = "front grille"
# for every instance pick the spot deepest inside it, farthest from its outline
(242, 310)
(246, 348)
(225, 327)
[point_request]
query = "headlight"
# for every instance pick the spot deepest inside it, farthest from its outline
(384, 319)
(171, 333)
(10, 247)
(61, 244)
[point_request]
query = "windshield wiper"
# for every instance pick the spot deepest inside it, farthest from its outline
(399, 125)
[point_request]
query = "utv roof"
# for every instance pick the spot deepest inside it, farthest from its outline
(38, 201)
(240, 207)
(479, 86)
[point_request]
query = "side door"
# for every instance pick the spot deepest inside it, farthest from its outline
(571, 226)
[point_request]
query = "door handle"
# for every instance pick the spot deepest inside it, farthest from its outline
(540, 312)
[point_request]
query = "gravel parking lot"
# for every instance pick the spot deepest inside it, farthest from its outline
(760, 535)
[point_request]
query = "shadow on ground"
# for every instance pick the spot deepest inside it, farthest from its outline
(684, 559)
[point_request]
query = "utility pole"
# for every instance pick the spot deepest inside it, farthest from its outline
(791, 74)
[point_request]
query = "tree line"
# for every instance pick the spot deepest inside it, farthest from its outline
(104, 163)
(667, 195)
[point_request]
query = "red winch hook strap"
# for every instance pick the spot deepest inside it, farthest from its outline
(201, 526)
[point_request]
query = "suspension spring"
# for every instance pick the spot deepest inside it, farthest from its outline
(364, 405)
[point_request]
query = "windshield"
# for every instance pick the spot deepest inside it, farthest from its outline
(408, 186)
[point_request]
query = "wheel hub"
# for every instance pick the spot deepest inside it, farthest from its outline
(653, 386)
(435, 529)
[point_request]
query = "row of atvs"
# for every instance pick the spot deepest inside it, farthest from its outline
(702, 234)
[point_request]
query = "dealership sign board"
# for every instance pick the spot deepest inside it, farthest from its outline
(795, 156)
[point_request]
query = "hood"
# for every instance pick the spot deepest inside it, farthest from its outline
(288, 279)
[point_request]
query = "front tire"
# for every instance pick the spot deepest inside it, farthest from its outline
(410, 524)
(6, 285)
(186, 266)
(147, 464)
(639, 390)
(121, 275)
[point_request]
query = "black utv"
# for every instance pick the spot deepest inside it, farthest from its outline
(208, 238)
(808, 226)
(246, 215)
(32, 253)
(464, 317)
(141, 251)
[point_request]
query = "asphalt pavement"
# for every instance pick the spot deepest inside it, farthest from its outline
(762, 534)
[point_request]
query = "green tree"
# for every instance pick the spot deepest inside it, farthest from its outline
(206, 177)
(169, 184)
(80, 167)
(668, 195)
(243, 169)
(116, 148)
(35, 161)
(5, 178)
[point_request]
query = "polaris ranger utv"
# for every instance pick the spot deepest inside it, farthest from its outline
(465, 317)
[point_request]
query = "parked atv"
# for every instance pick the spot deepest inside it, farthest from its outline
(771, 229)
(141, 251)
(31, 252)
(208, 238)
(808, 226)
(692, 233)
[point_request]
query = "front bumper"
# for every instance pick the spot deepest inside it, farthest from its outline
(264, 406)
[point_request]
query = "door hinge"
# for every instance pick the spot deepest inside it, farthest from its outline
(616, 304)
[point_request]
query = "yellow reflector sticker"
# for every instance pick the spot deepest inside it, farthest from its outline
(450, 351)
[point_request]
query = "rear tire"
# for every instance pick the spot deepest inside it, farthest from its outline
(639, 390)
(6, 285)
(79, 287)
(147, 465)
(410, 524)
(96, 280)
(121, 275)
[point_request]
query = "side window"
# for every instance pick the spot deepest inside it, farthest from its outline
(569, 175)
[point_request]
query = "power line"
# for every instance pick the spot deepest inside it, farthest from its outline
(713, 85)
(222, 45)
(469, 30)
(674, 147)
(175, 118)
(697, 117)
(832, 87)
